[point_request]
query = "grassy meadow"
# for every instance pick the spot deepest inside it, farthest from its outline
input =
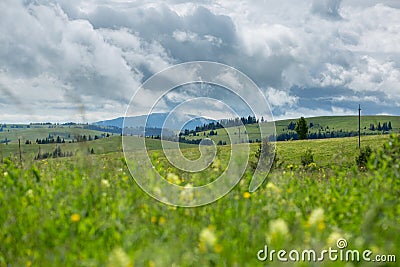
(323, 124)
(86, 210)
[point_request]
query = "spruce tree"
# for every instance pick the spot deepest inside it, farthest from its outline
(302, 128)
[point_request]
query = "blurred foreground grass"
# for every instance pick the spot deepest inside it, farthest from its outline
(87, 211)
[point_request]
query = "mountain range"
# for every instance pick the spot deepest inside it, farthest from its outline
(156, 120)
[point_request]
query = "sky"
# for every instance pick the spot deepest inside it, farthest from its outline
(83, 60)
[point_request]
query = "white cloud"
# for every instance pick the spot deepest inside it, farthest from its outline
(101, 51)
(182, 36)
(280, 98)
(326, 8)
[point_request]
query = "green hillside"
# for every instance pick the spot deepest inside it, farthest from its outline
(41, 132)
(324, 125)
(100, 146)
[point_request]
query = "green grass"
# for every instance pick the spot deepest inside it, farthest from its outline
(86, 210)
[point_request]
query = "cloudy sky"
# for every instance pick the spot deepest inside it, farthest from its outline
(83, 60)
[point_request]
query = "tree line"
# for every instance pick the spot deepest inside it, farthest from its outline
(224, 123)
(76, 139)
(386, 126)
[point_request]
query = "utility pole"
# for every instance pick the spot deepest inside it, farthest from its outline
(359, 126)
(20, 154)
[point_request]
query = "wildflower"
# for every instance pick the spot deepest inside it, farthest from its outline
(5, 174)
(207, 238)
(153, 219)
(278, 232)
(218, 248)
(216, 164)
(29, 193)
(312, 165)
(75, 217)
(105, 183)
(173, 178)
(278, 227)
(118, 257)
(28, 263)
(273, 187)
(317, 218)
(187, 194)
(162, 220)
(246, 194)
(333, 238)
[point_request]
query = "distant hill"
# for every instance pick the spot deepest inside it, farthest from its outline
(156, 120)
(319, 128)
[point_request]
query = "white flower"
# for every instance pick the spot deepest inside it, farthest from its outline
(333, 238)
(208, 237)
(273, 187)
(105, 183)
(187, 194)
(278, 227)
(118, 257)
(316, 216)
(29, 193)
(173, 178)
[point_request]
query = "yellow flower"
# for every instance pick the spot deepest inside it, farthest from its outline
(246, 194)
(75, 217)
(28, 263)
(5, 174)
(153, 219)
(162, 220)
(312, 165)
(218, 248)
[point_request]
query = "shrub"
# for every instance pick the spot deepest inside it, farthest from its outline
(387, 157)
(362, 158)
(307, 157)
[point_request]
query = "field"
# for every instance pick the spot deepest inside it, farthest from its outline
(86, 210)
(323, 125)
